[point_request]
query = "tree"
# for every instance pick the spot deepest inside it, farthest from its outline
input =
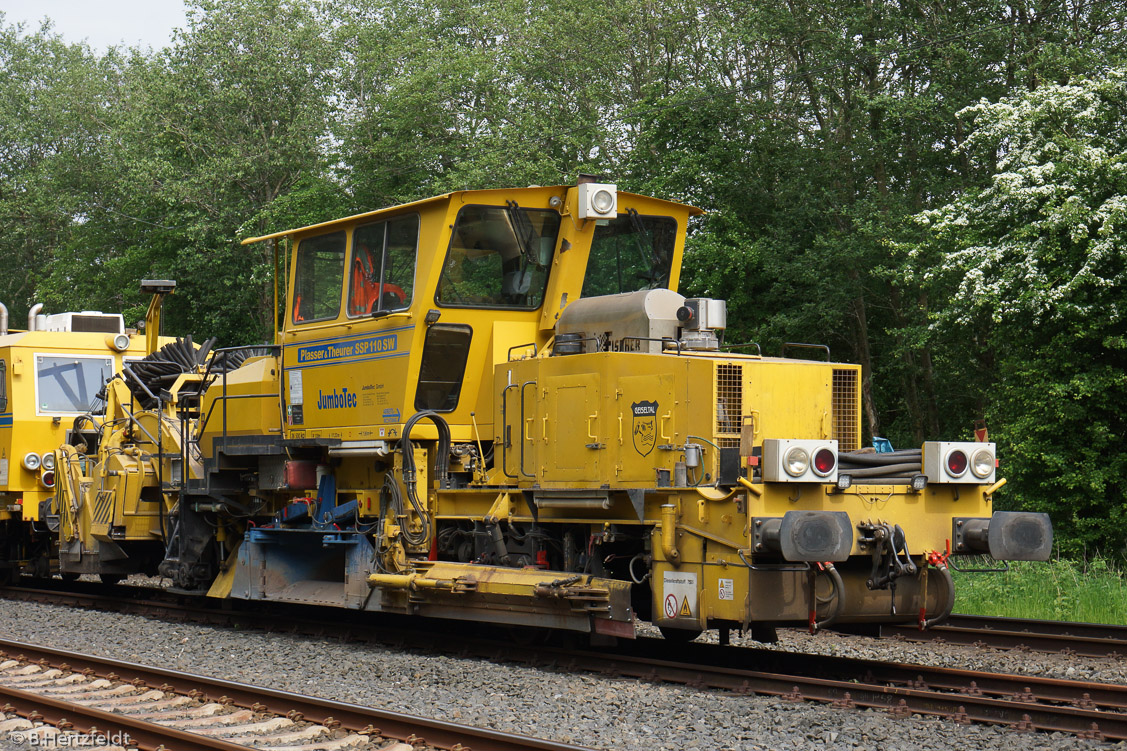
(1033, 267)
(54, 100)
(207, 137)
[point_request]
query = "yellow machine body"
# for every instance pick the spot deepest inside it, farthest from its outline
(494, 405)
(48, 379)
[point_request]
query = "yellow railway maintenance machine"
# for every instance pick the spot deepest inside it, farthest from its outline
(493, 405)
(50, 376)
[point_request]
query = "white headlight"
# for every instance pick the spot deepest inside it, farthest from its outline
(597, 200)
(796, 461)
(982, 464)
(31, 461)
(602, 201)
(49, 460)
(117, 342)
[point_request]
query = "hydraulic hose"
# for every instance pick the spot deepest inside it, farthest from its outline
(838, 599)
(441, 459)
(948, 599)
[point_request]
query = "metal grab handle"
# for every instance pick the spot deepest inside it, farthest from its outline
(750, 420)
(590, 433)
(661, 427)
(523, 428)
(506, 438)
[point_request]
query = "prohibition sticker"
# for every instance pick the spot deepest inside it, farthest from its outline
(679, 594)
(727, 589)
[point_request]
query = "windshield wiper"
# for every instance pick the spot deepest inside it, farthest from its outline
(654, 272)
(526, 234)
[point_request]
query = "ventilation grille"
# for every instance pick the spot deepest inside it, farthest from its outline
(96, 324)
(845, 405)
(729, 404)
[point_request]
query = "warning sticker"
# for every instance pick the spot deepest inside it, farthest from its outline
(727, 589)
(679, 594)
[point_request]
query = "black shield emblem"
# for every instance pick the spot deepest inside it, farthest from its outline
(645, 426)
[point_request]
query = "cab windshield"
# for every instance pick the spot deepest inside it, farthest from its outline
(499, 257)
(630, 253)
(70, 384)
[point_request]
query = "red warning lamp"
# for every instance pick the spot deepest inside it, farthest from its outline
(824, 461)
(956, 463)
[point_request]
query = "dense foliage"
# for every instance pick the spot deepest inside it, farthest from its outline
(934, 190)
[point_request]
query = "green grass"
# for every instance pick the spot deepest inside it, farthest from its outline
(1093, 591)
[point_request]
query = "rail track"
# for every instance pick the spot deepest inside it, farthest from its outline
(152, 708)
(1085, 639)
(1024, 703)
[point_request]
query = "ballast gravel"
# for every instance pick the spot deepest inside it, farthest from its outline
(584, 709)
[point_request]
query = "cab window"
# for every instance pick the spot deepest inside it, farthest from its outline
(443, 367)
(630, 253)
(499, 257)
(319, 275)
(382, 271)
(70, 384)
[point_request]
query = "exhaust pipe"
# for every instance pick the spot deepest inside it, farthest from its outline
(31, 315)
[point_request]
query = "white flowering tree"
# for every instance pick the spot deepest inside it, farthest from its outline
(1032, 271)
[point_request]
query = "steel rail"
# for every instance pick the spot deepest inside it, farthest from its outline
(1086, 639)
(353, 717)
(1028, 702)
(80, 719)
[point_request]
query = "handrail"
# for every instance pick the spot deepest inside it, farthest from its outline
(509, 356)
(663, 340)
(598, 345)
(274, 349)
(802, 345)
(758, 349)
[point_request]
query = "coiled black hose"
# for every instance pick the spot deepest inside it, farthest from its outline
(159, 370)
(442, 457)
(890, 465)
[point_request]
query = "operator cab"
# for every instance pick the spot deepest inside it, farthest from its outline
(410, 308)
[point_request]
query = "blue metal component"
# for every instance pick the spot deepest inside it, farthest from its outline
(304, 566)
(294, 513)
(882, 445)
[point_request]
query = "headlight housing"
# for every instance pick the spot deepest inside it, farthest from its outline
(799, 460)
(31, 461)
(49, 460)
(968, 462)
(598, 200)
